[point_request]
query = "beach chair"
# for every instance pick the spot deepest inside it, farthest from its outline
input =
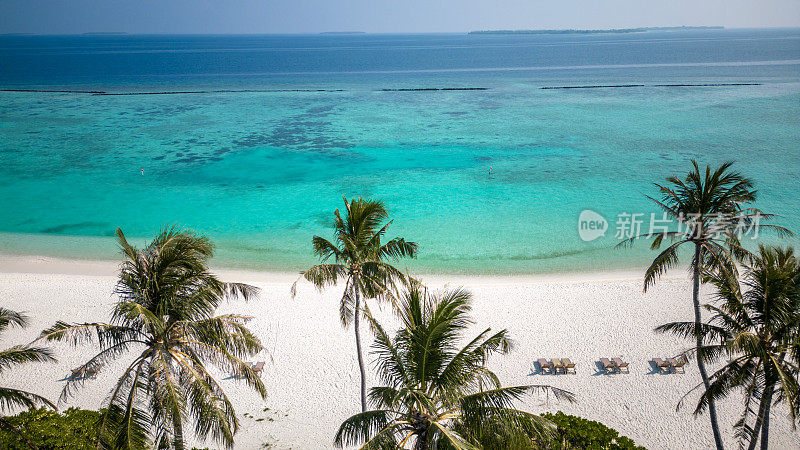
(620, 364)
(558, 366)
(608, 366)
(678, 363)
(258, 367)
(662, 365)
(544, 366)
(84, 372)
(568, 365)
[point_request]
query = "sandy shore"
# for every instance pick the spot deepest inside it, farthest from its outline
(312, 375)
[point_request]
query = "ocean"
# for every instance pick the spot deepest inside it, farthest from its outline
(253, 140)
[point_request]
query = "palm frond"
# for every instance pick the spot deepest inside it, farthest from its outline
(9, 317)
(398, 248)
(22, 354)
(16, 398)
(86, 333)
(455, 440)
(389, 362)
(123, 425)
(461, 369)
(665, 260)
(361, 427)
(691, 330)
(323, 275)
(504, 397)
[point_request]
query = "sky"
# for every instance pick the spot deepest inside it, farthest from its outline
(380, 16)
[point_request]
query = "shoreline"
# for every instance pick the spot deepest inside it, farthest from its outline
(49, 265)
(583, 316)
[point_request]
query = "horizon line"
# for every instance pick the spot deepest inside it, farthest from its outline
(356, 33)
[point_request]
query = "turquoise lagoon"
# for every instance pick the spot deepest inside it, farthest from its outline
(277, 128)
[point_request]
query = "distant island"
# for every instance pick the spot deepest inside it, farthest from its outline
(612, 30)
(344, 32)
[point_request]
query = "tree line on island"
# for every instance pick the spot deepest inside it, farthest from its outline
(434, 391)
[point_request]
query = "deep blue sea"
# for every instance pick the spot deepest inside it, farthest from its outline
(253, 140)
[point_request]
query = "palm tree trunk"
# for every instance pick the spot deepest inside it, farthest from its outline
(765, 428)
(178, 429)
(358, 351)
(712, 409)
(422, 441)
(757, 426)
(767, 399)
(765, 404)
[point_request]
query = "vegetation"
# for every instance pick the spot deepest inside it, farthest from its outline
(165, 317)
(757, 329)
(437, 395)
(712, 209)
(74, 429)
(577, 432)
(359, 259)
(15, 356)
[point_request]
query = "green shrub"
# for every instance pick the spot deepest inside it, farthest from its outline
(579, 433)
(77, 429)
(50, 430)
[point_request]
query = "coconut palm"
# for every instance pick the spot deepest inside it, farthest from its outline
(710, 207)
(437, 395)
(757, 327)
(360, 260)
(164, 317)
(16, 356)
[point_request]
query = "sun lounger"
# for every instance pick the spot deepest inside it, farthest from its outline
(608, 366)
(558, 366)
(568, 365)
(620, 364)
(544, 366)
(677, 363)
(257, 367)
(662, 365)
(84, 372)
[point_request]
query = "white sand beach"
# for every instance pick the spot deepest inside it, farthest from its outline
(311, 370)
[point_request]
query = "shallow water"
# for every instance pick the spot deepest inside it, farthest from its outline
(261, 172)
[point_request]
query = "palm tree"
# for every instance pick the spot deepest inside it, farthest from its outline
(437, 395)
(359, 259)
(164, 316)
(758, 330)
(710, 207)
(15, 356)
